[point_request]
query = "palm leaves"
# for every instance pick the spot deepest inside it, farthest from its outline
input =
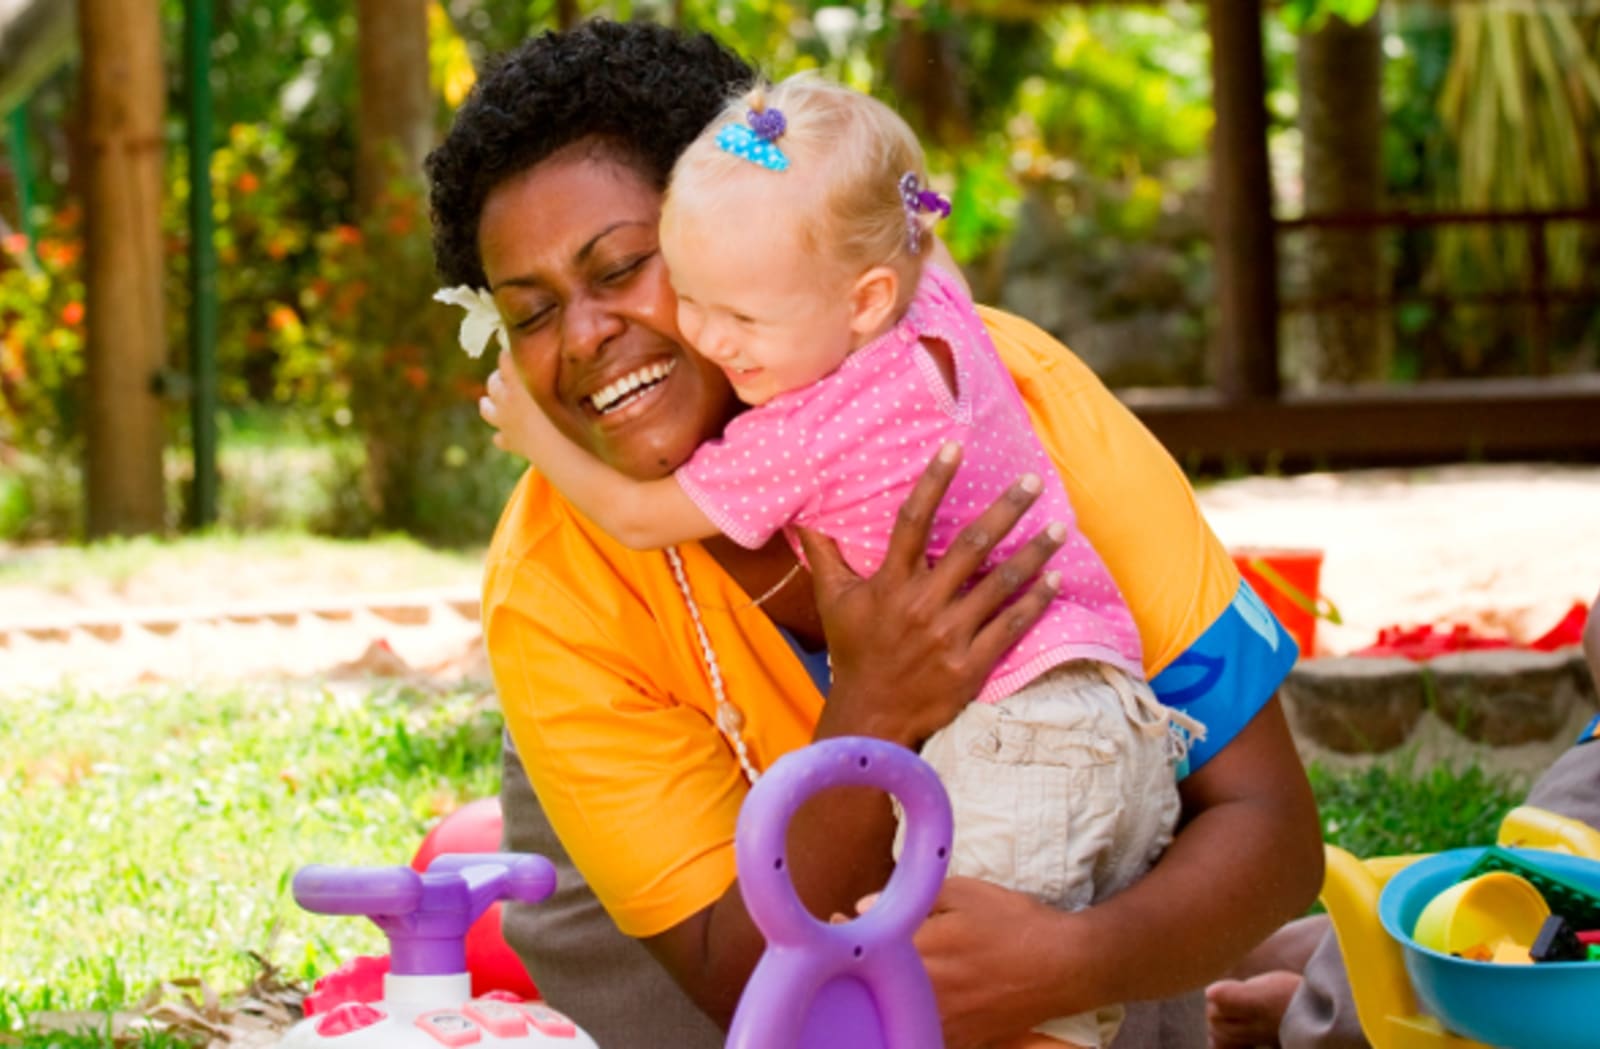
(1519, 103)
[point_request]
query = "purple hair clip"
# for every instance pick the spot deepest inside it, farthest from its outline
(756, 141)
(919, 201)
(768, 124)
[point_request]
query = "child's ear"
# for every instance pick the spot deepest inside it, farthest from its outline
(873, 300)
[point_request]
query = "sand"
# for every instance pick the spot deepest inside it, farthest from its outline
(1501, 548)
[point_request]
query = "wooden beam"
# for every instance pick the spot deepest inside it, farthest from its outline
(1245, 261)
(1447, 421)
(122, 92)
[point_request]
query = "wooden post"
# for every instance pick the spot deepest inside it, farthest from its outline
(395, 121)
(122, 97)
(1340, 68)
(1244, 251)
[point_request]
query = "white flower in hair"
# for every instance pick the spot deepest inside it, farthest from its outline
(482, 320)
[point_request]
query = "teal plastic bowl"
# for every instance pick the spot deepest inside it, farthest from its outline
(1551, 1006)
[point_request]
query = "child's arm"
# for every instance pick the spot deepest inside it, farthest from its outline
(643, 515)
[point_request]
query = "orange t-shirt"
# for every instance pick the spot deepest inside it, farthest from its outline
(606, 693)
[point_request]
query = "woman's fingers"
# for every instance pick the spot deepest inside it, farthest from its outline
(829, 572)
(1006, 627)
(908, 540)
(973, 544)
(995, 600)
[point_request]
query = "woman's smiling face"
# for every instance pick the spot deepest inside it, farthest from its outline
(572, 254)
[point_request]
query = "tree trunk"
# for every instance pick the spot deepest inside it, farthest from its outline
(1244, 248)
(1341, 127)
(394, 127)
(122, 95)
(927, 75)
(394, 133)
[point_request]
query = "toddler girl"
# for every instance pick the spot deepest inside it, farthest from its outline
(796, 231)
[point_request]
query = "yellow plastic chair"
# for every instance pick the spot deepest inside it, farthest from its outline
(1385, 1002)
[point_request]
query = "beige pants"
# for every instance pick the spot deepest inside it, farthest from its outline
(1065, 790)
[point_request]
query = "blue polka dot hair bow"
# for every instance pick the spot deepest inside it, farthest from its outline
(757, 140)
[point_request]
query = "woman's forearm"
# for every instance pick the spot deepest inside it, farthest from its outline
(1248, 859)
(839, 851)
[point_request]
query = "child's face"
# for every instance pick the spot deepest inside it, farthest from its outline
(750, 299)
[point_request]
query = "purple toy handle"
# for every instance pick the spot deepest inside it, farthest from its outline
(859, 985)
(426, 916)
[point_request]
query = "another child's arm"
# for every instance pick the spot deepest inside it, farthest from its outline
(940, 256)
(1591, 640)
(643, 515)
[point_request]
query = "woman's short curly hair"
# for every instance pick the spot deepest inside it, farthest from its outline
(643, 88)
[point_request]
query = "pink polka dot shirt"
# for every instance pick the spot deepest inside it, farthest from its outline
(842, 454)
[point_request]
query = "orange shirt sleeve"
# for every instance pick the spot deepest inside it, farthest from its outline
(1133, 502)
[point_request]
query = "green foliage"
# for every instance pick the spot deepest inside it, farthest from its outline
(984, 199)
(1123, 92)
(324, 317)
(1310, 15)
(264, 252)
(379, 358)
(1393, 808)
(1522, 84)
(152, 834)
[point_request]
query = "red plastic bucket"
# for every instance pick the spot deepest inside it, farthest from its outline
(1288, 581)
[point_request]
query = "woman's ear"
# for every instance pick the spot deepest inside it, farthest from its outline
(873, 300)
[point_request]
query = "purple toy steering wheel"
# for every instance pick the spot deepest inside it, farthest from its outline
(860, 985)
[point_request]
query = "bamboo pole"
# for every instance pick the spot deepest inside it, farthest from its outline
(122, 97)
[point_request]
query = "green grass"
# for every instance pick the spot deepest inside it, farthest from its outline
(151, 834)
(1392, 808)
(148, 835)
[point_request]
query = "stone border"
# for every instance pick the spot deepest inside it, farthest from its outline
(405, 608)
(1490, 697)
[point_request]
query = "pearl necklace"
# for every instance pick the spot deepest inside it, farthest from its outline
(729, 721)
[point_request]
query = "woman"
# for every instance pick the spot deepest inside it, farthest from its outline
(642, 689)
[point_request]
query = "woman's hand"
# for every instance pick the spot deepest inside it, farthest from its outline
(913, 644)
(986, 983)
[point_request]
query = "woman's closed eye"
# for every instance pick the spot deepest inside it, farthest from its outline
(533, 320)
(619, 273)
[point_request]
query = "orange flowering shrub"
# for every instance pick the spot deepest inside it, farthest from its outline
(369, 347)
(334, 326)
(41, 339)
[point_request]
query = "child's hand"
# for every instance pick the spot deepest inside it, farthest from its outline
(510, 409)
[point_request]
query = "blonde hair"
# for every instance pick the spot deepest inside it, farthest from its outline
(847, 153)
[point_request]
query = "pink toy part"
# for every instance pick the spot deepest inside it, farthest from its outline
(475, 827)
(448, 1027)
(501, 1019)
(548, 1022)
(358, 980)
(347, 1017)
(860, 984)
